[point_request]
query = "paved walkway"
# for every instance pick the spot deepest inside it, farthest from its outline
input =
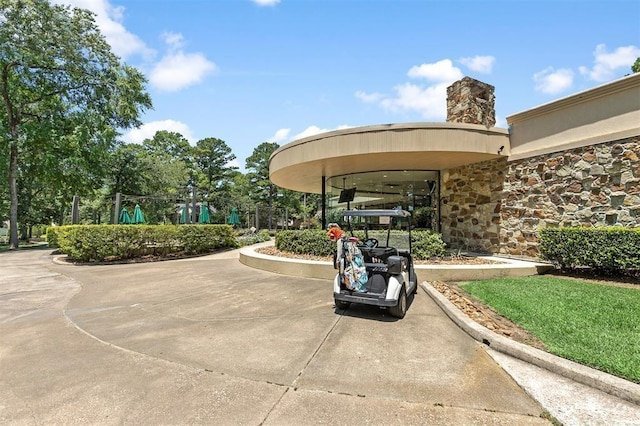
(210, 341)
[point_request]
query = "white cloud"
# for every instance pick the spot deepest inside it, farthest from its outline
(553, 81)
(482, 64)
(280, 136)
(441, 71)
(428, 100)
(147, 130)
(607, 63)
(173, 40)
(369, 97)
(178, 70)
(315, 130)
(266, 2)
(109, 20)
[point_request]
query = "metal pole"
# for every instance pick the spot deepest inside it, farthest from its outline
(116, 215)
(304, 203)
(324, 203)
(187, 215)
(194, 214)
(257, 221)
(75, 213)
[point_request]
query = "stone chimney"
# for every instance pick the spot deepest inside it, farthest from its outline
(471, 101)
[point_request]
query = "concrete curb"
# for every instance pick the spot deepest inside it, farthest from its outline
(324, 270)
(608, 383)
(285, 266)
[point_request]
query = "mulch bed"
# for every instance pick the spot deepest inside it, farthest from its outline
(484, 315)
(453, 260)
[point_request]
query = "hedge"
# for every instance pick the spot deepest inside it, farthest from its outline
(94, 243)
(305, 241)
(54, 233)
(427, 244)
(610, 249)
(424, 244)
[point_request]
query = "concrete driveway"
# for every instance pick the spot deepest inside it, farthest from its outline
(210, 341)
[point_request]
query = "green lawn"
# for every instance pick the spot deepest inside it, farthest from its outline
(23, 246)
(593, 324)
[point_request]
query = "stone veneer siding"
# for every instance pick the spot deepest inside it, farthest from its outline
(470, 205)
(498, 207)
(471, 101)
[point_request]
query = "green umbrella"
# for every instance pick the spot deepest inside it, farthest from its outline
(234, 219)
(204, 213)
(138, 217)
(183, 214)
(125, 219)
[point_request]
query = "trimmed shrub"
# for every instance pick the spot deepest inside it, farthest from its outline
(424, 244)
(204, 238)
(306, 241)
(605, 250)
(91, 243)
(54, 233)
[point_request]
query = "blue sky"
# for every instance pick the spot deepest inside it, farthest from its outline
(253, 71)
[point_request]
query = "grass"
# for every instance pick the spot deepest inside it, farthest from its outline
(23, 245)
(593, 324)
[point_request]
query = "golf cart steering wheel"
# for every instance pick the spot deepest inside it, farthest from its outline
(370, 242)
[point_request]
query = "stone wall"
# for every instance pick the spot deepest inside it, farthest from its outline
(591, 186)
(470, 205)
(498, 207)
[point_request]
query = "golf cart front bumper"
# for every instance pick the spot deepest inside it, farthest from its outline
(364, 298)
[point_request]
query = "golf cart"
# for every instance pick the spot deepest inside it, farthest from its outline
(378, 269)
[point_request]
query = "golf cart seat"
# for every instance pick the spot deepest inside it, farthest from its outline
(382, 260)
(377, 254)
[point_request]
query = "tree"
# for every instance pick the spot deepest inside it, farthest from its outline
(129, 170)
(239, 191)
(60, 82)
(148, 175)
(636, 66)
(173, 144)
(258, 166)
(212, 157)
(172, 147)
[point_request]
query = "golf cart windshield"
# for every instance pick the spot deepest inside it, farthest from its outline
(390, 228)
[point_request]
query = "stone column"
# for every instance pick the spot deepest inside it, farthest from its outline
(471, 101)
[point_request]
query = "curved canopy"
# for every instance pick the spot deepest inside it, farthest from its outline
(300, 165)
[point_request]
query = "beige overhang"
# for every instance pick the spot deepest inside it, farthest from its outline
(300, 165)
(605, 113)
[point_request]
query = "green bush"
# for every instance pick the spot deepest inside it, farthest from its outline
(91, 243)
(54, 233)
(306, 241)
(604, 250)
(204, 238)
(424, 244)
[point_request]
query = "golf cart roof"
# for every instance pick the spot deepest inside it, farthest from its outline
(369, 213)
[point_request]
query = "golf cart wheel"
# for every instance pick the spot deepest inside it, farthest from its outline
(400, 309)
(341, 304)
